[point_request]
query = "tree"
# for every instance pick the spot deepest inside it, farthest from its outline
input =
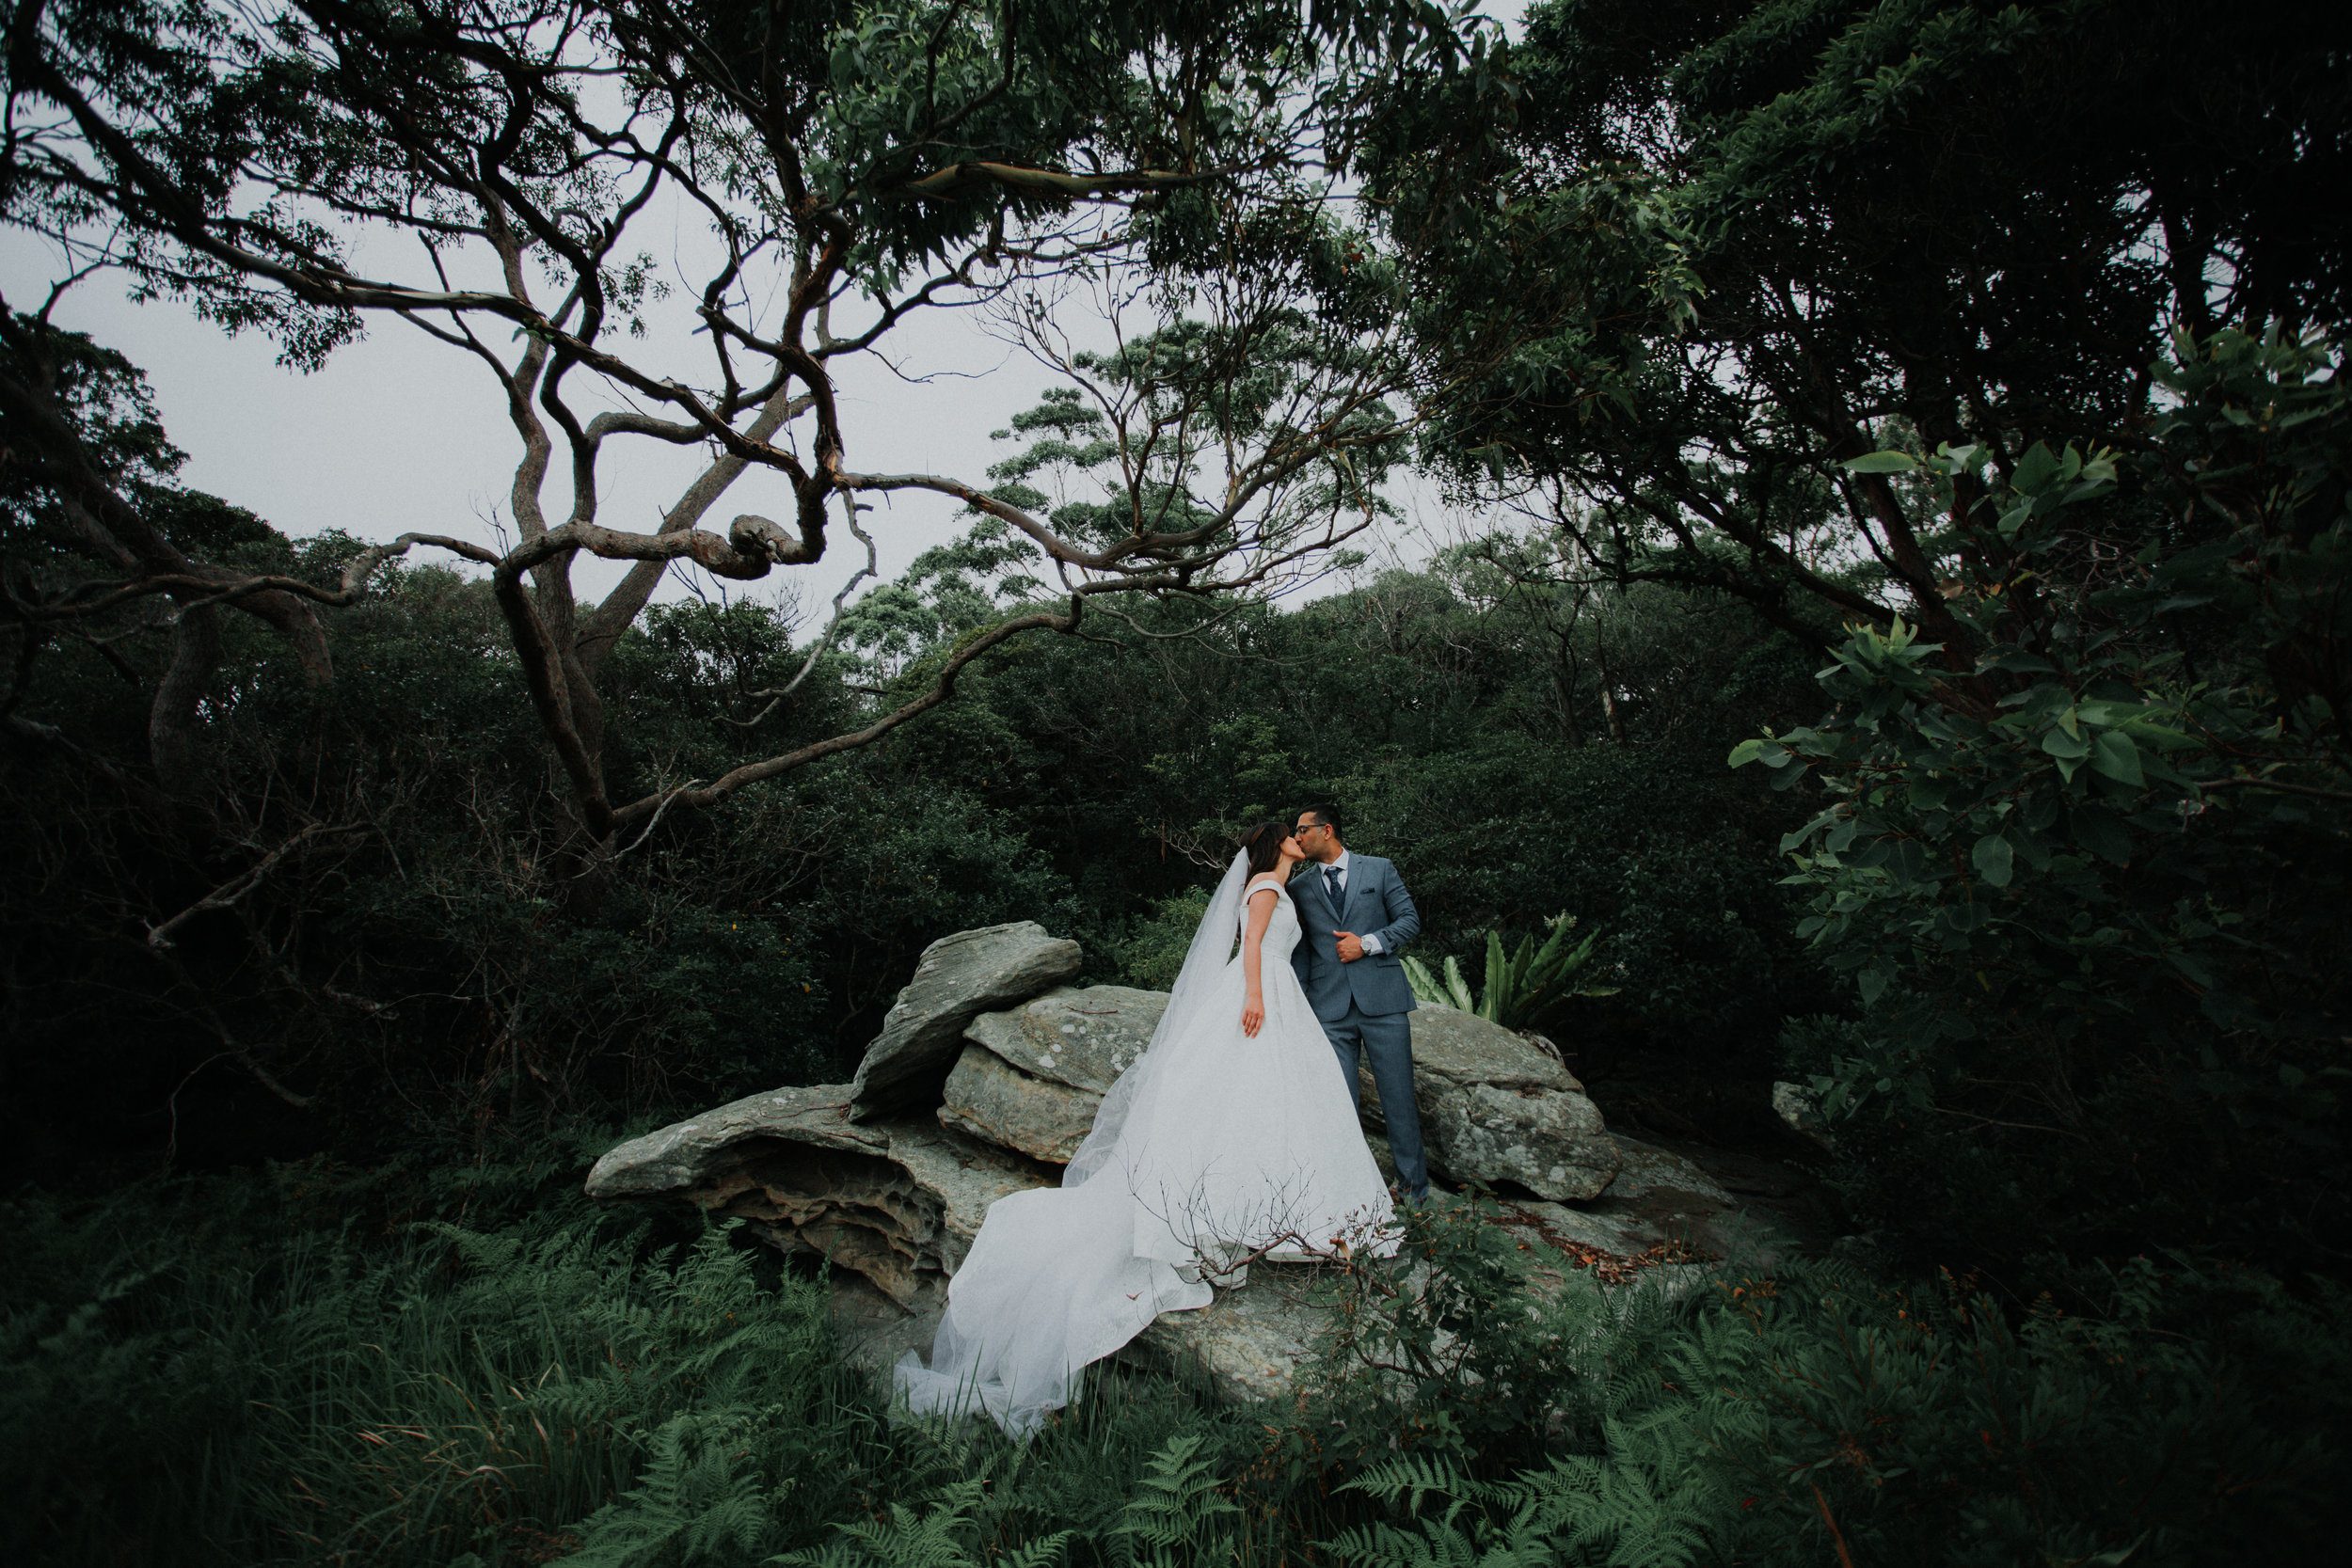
(2096, 930)
(1727, 246)
(487, 172)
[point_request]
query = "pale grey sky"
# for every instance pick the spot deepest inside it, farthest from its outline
(400, 434)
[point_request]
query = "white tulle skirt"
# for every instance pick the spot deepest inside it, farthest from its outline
(1214, 1146)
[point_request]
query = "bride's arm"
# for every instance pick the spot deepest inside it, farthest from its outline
(1252, 959)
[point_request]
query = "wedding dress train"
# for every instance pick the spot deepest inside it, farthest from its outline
(1213, 1146)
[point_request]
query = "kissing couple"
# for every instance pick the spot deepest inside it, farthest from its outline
(1233, 1137)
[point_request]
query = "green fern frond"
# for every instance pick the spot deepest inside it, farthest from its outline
(1175, 1499)
(941, 1537)
(1040, 1553)
(688, 1502)
(1406, 1482)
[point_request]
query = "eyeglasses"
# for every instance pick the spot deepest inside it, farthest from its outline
(1306, 828)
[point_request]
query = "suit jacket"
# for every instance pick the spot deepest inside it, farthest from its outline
(1374, 903)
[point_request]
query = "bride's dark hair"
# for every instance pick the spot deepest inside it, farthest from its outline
(1262, 843)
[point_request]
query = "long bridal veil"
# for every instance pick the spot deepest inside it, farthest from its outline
(1056, 1280)
(1213, 945)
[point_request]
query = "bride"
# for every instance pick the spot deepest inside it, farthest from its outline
(1232, 1136)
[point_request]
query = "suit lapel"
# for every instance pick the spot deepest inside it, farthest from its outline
(1357, 876)
(1322, 896)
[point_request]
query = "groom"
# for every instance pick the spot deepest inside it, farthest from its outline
(1353, 914)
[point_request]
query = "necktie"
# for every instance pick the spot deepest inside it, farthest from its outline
(1331, 884)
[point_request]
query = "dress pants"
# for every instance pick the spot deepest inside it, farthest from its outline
(1387, 1040)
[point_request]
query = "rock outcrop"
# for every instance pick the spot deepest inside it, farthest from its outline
(1248, 1344)
(1032, 1078)
(1647, 1171)
(1495, 1107)
(1798, 1112)
(958, 978)
(987, 1075)
(897, 1202)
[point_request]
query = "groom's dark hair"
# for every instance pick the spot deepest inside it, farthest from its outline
(1262, 843)
(1330, 817)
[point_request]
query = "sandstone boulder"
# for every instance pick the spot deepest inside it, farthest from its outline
(989, 1098)
(1250, 1344)
(1031, 1077)
(1495, 1107)
(958, 978)
(1083, 1038)
(897, 1202)
(1647, 1171)
(681, 1156)
(1620, 1234)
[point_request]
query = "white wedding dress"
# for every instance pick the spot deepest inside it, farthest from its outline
(1212, 1147)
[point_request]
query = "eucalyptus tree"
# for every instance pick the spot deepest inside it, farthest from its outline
(499, 174)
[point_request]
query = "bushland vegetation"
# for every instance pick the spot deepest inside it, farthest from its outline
(1903, 625)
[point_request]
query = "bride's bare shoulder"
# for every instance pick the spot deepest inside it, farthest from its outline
(1261, 885)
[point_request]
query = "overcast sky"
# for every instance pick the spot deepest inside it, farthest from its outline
(399, 434)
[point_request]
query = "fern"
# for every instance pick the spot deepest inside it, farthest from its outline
(946, 1535)
(560, 1388)
(1654, 1500)
(1172, 1507)
(688, 1498)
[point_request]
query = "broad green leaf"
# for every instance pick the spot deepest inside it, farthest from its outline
(2158, 736)
(1881, 463)
(2032, 846)
(2036, 469)
(2023, 664)
(2113, 755)
(2107, 714)
(1992, 858)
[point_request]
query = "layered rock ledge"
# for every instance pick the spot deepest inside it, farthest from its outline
(897, 1202)
(958, 978)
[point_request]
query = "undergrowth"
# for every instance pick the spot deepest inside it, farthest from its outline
(238, 1371)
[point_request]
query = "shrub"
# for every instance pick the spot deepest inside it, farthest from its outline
(2088, 887)
(1152, 954)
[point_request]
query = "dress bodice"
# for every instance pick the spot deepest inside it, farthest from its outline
(1281, 932)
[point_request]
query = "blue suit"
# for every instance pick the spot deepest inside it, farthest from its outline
(1364, 1006)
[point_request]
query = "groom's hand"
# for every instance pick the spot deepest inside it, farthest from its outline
(1351, 948)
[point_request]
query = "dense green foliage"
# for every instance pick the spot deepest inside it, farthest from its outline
(410, 966)
(2090, 887)
(1718, 246)
(236, 1372)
